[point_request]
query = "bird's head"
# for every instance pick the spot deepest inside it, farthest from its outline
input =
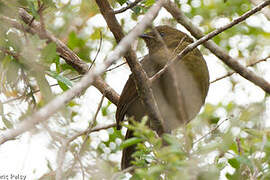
(171, 37)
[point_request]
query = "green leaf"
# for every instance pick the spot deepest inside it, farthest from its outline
(121, 2)
(72, 103)
(149, 2)
(49, 52)
(170, 139)
(14, 40)
(63, 86)
(130, 142)
(214, 120)
(96, 34)
(75, 41)
(234, 163)
(244, 160)
(63, 82)
(33, 9)
(136, 10)
(104, 111)
(7, 123)
(49, 3)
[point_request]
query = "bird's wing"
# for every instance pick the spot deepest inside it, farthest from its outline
(129, 93)
(128, 96)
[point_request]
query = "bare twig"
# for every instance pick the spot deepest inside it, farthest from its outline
(10, 53)
(249, 65)
(48, 175)
(239, 149)
(86, 133)
(129, 6)
(92, 125)
(92, 130)
(60, 160)
(113, 68)
(236, 66)
(210, 132)
(265, 11)
(81, 165)
(99, 48)
(117, 175)
(40, 13)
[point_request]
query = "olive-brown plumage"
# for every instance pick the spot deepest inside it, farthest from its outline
(189, 77)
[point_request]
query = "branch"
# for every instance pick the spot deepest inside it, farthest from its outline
(98, 51)
(249, 65)
(211, 131)
(141, 80)
(60, 160)
(69, 56)
(265, 11)
(53, 106)
(129, 6)
(87, 131)
(219, 52)
(66, 144)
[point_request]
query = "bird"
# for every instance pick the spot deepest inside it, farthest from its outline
(180, 92)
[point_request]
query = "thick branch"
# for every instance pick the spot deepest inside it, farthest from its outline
(68, 55)
(219, 52)
(141, 80)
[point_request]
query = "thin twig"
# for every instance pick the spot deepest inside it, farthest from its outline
(99, 47)
(265, 11)
(129, 6)
(113, 68)
(210, 132)
(91, 125)
(117, 175)
(238, 142)
(92, 130)
(60, 160)
(249, 65)
(81, 165)
(40, 13)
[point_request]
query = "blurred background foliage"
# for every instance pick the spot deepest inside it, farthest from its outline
(229, 139)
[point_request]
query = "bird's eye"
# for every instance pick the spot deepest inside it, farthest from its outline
(162, 34)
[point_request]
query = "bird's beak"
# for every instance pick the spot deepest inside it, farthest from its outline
(146, 36)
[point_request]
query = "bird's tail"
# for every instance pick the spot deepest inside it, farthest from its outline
(127, 152)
